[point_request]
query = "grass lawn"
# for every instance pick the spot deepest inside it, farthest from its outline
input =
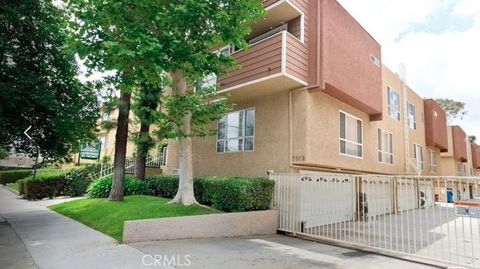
(13, 186)
(108, 217)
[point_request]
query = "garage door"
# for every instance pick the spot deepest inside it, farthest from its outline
(379, 195)
(407, 194)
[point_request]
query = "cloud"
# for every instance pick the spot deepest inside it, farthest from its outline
(438, 40)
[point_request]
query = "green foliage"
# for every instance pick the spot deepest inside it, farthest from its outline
(11, 176)
(108, 125)
(108, 217)
(204, 112)
(45, 185)
(165, 186)
(3, 153)
(454, 109)
(100, 188)
(77, 180)
(472, 139)
(39, 84)
(235, 194)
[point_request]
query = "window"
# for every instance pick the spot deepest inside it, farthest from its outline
(418, 151)
(393, 103)
(103, 141)
(164, 154)
(385, 146)
(206, 82)
(433, 161)
(351, 132)
(236, 131)
(462, 169)
(105, 116)
(411, 119)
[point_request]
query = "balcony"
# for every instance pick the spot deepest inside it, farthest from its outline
(278, 12)
(475, 156)
(459, 139)
(277, 62)
(436, 134)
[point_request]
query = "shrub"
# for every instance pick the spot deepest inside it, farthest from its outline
(100, 188)
(164, 186)
(79, 179)
(12, 176)
(45, 185)
(235, 194)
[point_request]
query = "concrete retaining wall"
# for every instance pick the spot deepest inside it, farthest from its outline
(203, 226)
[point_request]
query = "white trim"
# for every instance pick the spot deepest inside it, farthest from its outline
(302, 28)
(250, 82)
(383, 151)
(399, 103)
(284, 52)
(240, 137)
(347, 141)
(302, 16)
(259, 41)
(304, 83)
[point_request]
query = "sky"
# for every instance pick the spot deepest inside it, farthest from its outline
(438, 40)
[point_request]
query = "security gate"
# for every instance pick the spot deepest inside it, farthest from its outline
(392, 215)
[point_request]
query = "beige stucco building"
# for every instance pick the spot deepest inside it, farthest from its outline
(313, 95)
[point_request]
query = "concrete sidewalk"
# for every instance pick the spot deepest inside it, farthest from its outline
(55, 241)
(270, 252)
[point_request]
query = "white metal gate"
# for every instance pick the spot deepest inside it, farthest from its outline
(392, 215)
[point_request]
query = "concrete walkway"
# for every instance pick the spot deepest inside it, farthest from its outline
(45, 239)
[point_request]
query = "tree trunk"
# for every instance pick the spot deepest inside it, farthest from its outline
(121, 139)
(185, 194)
(142, 151)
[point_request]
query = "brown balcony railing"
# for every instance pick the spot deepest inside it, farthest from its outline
(280, 55)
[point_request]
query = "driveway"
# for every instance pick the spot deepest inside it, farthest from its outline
(269, 252)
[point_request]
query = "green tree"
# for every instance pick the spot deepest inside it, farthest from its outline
(472, 139)
(39, 85)
(145, 106)
(3, 153)
(119, 36)
(189, 31)
(454, 109)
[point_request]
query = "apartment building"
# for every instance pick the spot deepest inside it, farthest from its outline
(455, 161)
(313, 95)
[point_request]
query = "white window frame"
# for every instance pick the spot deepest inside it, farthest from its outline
(462, 169)
(391, 109)
(103, 141)
(243, 137)
(433, 161)
(105, 116)
(346, 140)
(411, 118)
(209, 80)
(164, 156)
(419, 162)
(385, 152)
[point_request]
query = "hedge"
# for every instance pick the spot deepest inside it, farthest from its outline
(78, 180)
(100, 188)
(45, 185)
(12, 176)
(231, 194)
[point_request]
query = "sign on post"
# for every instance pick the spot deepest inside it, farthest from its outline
(90, 151)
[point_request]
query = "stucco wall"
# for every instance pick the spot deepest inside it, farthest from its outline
(349, 73)
(271, 149)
